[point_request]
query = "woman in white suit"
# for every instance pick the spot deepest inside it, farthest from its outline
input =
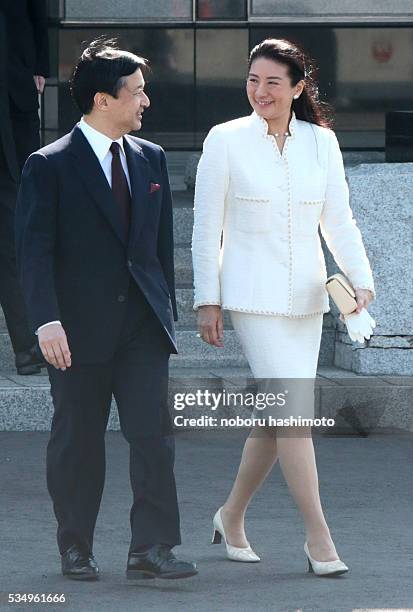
(265, 183)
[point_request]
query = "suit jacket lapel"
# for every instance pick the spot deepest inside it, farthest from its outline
(139, 175)
(95, 181)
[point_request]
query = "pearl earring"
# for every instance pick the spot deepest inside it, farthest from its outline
(296, 97)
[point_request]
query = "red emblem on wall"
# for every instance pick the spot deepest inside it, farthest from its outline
(382, 51)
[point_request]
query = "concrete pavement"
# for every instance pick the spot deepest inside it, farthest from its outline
(366, 487)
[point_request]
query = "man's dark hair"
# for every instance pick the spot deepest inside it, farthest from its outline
(102, 67)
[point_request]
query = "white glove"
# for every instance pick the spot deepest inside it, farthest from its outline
(359, 325)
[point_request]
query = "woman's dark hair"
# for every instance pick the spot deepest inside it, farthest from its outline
(308, 107)
(102, 67)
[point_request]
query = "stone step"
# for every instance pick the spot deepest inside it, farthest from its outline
(177, 162)
(6, 353)
(183, 224)
(194, 352)
(187, 315)
(183, 198)
(183, 265)
(187, 320)
(185, 300)
(359, 404)
(176, 181)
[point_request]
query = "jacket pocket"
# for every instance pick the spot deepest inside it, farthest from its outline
(309, 213)
(252, 215)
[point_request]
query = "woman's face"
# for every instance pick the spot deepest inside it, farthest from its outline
(269, 88)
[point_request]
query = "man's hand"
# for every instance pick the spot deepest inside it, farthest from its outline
(210, 325)
(54, 346)
(39, 81)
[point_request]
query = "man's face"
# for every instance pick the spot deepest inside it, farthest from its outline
(126, 110)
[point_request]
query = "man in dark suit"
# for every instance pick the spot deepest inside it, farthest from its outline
(95, 254)
(28, 361)
(28, 66)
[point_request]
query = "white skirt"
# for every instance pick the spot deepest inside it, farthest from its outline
(282, 353)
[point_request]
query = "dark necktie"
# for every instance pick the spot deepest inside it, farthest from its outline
(120, 187)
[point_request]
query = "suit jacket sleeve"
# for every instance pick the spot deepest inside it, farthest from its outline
(338, 226)
(210, 192)
(36, 216)
(165, 247)
(7, 144)
(38, 16)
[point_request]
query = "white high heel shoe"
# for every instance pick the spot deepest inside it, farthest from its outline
(325, 568)
(235, 553)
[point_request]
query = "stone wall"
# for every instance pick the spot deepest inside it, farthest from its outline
(382, 201)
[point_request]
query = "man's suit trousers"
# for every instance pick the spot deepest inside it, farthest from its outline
(137, 377)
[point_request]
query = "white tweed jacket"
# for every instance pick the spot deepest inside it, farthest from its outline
(255, 243)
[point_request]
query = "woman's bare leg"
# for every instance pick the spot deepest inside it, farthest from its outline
(297, 461)
(258, 457)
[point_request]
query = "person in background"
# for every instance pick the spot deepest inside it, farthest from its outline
(24, 59)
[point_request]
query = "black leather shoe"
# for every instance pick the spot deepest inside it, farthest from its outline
(79, 564)
(29, 362)
(158, 562)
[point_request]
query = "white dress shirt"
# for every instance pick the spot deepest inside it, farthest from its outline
(100, 144)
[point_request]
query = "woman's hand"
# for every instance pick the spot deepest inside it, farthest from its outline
(210, 325)
(363, 299)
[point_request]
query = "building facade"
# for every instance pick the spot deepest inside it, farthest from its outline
(198, 52)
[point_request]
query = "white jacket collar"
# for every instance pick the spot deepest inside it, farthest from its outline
(262, 125)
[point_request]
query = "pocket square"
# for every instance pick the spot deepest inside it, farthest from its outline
(154, 187)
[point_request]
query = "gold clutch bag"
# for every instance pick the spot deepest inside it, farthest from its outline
(342, 293)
